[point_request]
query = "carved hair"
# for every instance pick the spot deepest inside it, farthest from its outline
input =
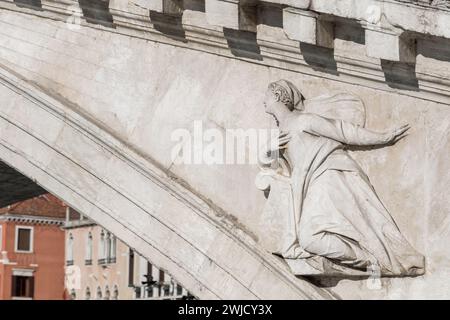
(285, 92)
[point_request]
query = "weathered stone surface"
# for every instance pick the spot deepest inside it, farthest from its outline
(236, 14)
(306, 26)
(104, 179)
(390, 45)
(138, 84)
(320, 200)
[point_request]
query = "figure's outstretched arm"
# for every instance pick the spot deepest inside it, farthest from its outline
(350, 133)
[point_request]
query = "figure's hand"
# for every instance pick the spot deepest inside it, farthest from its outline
(280, 143)
(398, 133)
(269, 153)
(283, 139)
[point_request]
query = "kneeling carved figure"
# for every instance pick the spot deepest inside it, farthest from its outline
(328, 210)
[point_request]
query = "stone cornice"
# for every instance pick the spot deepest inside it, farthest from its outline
(31, 219)
(193, 30)
(79, 224)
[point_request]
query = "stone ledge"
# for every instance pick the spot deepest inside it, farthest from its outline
(304, 24)
(309, 21)
(193, 32)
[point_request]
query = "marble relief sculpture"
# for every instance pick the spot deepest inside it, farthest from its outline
(328, 217)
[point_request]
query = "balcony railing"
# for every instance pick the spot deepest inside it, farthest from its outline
(107, 260)
(111, 260)
(161, 291)
(69, 263)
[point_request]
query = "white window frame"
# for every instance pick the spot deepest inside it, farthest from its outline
(23, 272)
(69, 248)
(16, 239)
(89, 246)
(102, 246)
(107, 246)
(113, 247)
(29, 273)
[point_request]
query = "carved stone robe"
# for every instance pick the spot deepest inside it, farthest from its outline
(327, 194)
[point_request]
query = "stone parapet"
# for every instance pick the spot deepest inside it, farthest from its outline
(92, 96)
(370, 42)
(309, 20)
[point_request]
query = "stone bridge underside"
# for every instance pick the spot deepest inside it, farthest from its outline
(91, 90)
(16, 187)
(104, 179)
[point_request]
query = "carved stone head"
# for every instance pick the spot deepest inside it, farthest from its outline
(285, 92)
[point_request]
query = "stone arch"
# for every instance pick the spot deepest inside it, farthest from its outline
(50, 141)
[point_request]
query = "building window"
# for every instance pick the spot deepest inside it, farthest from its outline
(108, 246)
(69, 255)
(73, 294)
(161, 284)
(131, 268)
(99, 293)
(102, 249)
(24, 239)
(137, 292)
(22, 287)
(87, 294)
(179, 290)
(1, 239)
(166, 289)
(112, 249)
(88, 258)
(107, 293)
(149, 280)
(115, 293)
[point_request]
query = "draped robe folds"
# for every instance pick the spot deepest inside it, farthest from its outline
(327, 193)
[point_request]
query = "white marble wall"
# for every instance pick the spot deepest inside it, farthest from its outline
(143, 90)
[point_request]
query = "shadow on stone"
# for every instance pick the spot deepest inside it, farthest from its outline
(350, 30)
(194, 5)
(169, 25)
(434, 48)
(32, 4)
(97, 12)
(329, 282)
(270, 15)
(319, 58)
(400, 75)
(242, 43)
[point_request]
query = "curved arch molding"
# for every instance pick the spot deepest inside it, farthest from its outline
(98, 175)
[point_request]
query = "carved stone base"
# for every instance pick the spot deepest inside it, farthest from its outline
(319, 266)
